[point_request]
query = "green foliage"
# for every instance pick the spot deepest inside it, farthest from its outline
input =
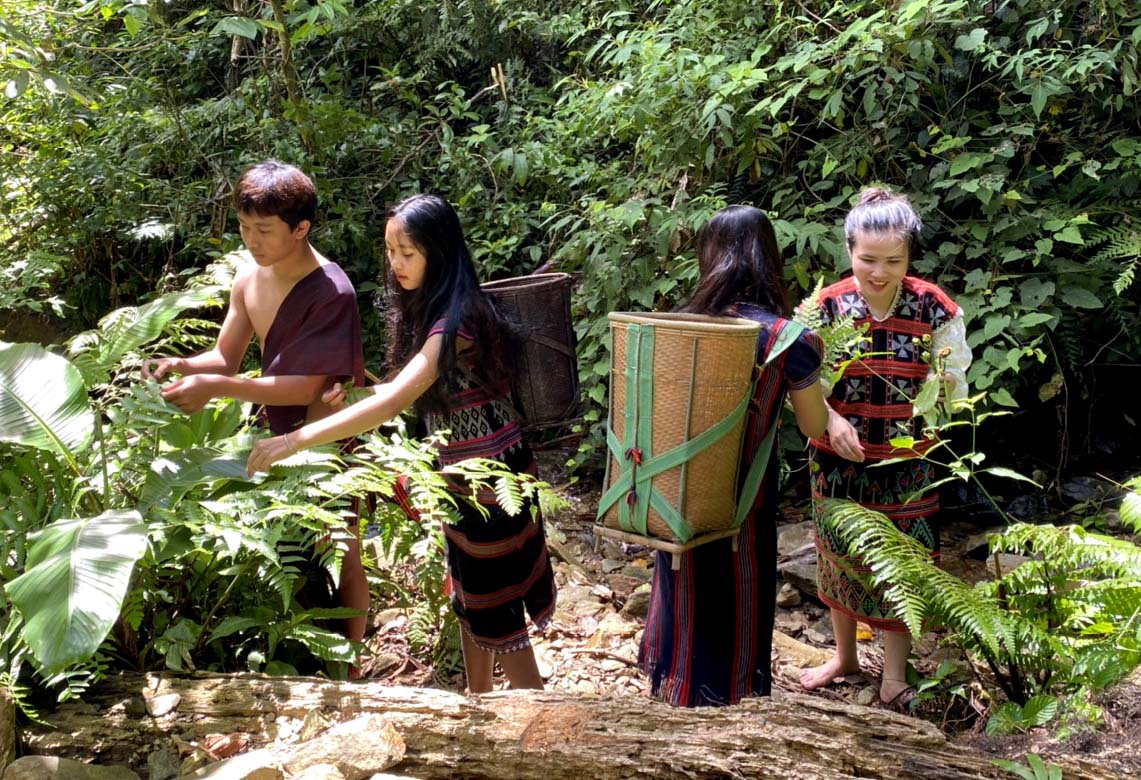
(43, 401)
(1034, 768)
(77, 575)
(843, 340)
(612, 135)
(1062, 624)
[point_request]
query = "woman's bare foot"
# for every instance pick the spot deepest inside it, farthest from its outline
(819, 676)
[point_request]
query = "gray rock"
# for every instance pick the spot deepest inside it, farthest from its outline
(865, 696)
(796, 536)
(788, 596)
(1081, 489)
(383, 663)
(610, 565)
(255, 765)
(822, 628)
(622, 585)
(580, 601)
(163, 763)
(977, 545)
(637, 572)
(52, 768)
(322, 772)
(638, 604)
(1031, 507)
(358, 748)
(1008, 563)
(163, 704)
(386, 616)
(802, 576)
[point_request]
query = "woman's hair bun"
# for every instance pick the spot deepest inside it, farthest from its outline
(876, 195)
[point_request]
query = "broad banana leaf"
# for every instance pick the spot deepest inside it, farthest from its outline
(77, 575)
(97, 351)
(43, 401)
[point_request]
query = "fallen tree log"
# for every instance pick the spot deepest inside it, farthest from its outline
(519, 735)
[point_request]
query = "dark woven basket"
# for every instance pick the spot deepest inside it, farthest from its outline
(546, 371)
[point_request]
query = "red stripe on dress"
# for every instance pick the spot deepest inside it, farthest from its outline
(511, 593)
(490, 549)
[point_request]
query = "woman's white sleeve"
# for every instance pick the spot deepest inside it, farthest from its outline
(953, 335)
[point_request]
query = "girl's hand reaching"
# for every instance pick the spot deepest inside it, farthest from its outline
(335, 397)
(844, 438)
(267, 452)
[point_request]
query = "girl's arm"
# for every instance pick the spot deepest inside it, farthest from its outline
(811, 410)
(387, 401)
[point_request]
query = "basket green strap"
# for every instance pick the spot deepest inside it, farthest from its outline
(634, 479)
(760, 464)
(637, 477)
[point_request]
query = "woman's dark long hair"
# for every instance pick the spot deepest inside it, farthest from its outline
(739, 262)
(450, 292)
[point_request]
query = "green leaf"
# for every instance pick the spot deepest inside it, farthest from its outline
(928, 396)
(1034, 291)
(1002, 397)
(1039, 711)
(1005, 719)
(1035, 318)
(237, 25)
(95, 352)
(965, 162)
(1038, 95)
(1012, 766)
(232, 625)
(1000, 471)
(43, 401)
(1071, 235)
(972, 41)
(1131, 510)
(1080, 298)
(78, 571)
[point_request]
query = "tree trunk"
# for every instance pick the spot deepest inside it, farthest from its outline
(521, 735)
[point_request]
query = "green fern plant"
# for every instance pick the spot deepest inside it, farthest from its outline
(844, 341)
(1121, 248)
(1064, 623)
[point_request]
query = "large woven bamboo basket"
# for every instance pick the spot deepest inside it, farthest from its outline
(546, 369)
(699, 371)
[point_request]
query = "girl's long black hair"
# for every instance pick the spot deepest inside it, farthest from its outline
(739, 262)
(450, 292)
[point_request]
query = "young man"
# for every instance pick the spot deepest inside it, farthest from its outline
(303, 310)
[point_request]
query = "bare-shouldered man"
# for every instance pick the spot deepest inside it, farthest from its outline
(302, 308)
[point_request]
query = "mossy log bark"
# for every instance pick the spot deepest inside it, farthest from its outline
(523, 735)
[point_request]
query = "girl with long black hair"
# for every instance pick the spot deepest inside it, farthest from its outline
(708, 637)
(450, 346)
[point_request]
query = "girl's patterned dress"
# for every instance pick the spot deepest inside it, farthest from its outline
(498, 566)
(874, 395)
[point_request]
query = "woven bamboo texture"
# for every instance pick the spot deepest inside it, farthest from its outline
(545, 376)
(702, 368)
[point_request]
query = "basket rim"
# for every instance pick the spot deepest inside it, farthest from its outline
(699, 322)
(524, 282)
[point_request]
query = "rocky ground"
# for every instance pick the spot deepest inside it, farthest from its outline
(592, 644)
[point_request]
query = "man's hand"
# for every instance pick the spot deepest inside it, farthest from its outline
(157, 368)
(267, 452)
(191, 393)
(844, 439)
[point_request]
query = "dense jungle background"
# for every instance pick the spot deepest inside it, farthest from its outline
(588, 137)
